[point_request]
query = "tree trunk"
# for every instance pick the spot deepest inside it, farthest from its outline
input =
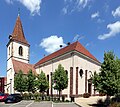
(59, 95)
(107, 100)
(42, 95)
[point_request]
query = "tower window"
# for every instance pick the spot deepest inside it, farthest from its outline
(9, 50)
(20, 51)
(81, 73)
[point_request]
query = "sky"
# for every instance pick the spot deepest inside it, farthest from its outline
(50, 23)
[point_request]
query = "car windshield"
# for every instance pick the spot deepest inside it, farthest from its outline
(10, 96)
(1, 94)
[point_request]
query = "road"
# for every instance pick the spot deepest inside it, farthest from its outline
(38, 104)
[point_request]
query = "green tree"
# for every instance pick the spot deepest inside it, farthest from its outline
(42, 83)
(20, 82)
(108, 80)
(60, 78)
(31, 81)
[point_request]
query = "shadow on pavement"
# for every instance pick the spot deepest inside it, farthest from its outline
(97, 105)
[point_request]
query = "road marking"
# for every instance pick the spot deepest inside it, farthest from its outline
(15, 104)
(52, 104)
(29, 104)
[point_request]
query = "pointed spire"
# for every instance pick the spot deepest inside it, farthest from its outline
(18, 33)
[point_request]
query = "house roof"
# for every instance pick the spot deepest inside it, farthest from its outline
(18, 33)
(76, 46)
(25, 67)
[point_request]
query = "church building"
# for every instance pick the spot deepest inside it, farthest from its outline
(77, 61)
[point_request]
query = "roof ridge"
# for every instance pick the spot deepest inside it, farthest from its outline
(74, 46)
(25, 67)
(23, 62)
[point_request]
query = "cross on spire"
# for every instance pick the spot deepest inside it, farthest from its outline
(19, 11)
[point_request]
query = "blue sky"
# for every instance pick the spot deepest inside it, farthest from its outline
(49, 23)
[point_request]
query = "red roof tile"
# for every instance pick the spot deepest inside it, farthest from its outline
(74, 46)
(25, 67)
(18, 34)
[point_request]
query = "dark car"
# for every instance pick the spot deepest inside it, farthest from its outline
(13, 98)
(3, 96)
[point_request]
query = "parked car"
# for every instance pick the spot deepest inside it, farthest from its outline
(3, 96)
(13, 98)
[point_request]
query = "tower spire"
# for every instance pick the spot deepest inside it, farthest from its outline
(18, 33)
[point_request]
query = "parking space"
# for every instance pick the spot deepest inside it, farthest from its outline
(19, 104)
(41, 104)
(38, 104)
(65, 105)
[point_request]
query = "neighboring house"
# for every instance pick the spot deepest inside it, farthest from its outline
(3, 84)
(77, 61)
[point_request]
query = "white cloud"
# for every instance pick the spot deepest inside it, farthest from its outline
(73, 5)
(52, 43)
(94, 15)
(82, 3)
(114, 30)
(78, 37)
(116, 13)
(32, 5)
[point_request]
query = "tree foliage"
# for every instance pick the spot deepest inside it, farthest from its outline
(20, 82)
(42, 82)
(60, 79)
(108, 80)
(31, 81)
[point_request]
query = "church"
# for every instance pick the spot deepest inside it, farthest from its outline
(77, 61)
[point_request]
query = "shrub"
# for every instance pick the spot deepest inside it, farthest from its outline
(31, 96)
(86, 95)
(25, 96)
(37, 100)
(101, 94)
(36, 95)
(115, 104)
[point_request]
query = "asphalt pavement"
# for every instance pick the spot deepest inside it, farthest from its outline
(38, 104)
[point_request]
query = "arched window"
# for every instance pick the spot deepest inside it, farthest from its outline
(20, 51)
(66, 72)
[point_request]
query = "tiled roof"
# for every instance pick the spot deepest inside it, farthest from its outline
(18, 34)
(25, 67)
(76, 46)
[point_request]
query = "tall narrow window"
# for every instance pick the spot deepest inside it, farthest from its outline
(20, 51)
(9, 50)
(66, 72)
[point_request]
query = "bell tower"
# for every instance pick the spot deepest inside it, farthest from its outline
(17, 49)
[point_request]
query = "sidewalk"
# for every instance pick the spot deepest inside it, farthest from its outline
(86, 102)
